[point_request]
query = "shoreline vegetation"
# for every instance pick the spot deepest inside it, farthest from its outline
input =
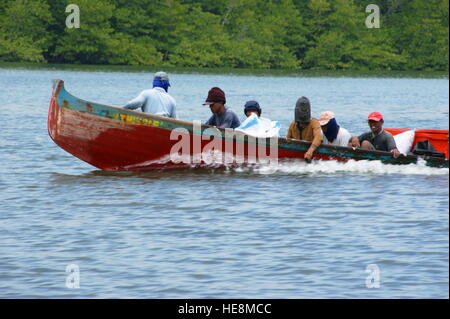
(292, 35)
(225, 71)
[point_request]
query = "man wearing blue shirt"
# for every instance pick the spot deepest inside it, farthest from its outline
(156, 100)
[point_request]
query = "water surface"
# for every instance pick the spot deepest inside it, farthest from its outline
(296, 231)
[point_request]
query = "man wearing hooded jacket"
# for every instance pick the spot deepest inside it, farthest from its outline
(304, 127)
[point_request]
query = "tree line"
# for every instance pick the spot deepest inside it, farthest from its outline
(266, 34)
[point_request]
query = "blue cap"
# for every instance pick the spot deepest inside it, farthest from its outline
(161, 76)
(252, 106)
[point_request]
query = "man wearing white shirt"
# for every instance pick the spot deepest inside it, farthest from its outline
(333, 134)
(156, 100)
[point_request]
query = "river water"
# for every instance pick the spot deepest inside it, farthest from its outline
(299, 231)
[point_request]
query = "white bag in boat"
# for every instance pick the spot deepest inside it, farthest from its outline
(259, 127)
(404, 141)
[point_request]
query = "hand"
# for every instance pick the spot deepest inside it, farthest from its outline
(354, 142)
(309, 154)
(395, 152)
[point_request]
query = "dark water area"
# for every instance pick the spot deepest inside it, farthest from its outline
(293, 231)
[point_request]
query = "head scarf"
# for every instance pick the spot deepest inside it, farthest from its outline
(303, 110)
(332, 130)
(157, 82)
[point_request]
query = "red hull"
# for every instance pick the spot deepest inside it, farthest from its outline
(137, 147)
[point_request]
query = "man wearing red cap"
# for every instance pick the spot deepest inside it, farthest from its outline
(222, 116)
(377, 138)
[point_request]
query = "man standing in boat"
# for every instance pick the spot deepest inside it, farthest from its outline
(156, 100)
(305, 127)
(222, 117)
(377, 139)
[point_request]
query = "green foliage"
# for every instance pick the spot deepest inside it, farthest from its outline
(22, 29)
(423, 35)
(291, 34)
(91, 42)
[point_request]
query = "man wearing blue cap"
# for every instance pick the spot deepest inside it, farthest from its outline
(255, 125)
(252, 107)
(156, 100)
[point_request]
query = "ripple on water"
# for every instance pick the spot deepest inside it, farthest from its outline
(293, 231)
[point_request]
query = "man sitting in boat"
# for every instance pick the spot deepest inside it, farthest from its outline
(377, 138)
(305, 127)
(156, 100)
(257, 126)
(333, 133)
(222, 117)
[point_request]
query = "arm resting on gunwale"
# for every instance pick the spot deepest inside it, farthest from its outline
(135, 103)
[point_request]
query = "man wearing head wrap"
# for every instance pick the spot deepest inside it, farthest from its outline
(304, 127)
(156, 100)
(333, 133)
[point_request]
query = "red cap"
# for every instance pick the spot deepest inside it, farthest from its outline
(375, 116)
(215, 95)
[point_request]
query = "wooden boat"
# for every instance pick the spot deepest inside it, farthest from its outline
(117, 139)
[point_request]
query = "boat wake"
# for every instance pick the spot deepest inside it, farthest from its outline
(293, 167)
(299, 167)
